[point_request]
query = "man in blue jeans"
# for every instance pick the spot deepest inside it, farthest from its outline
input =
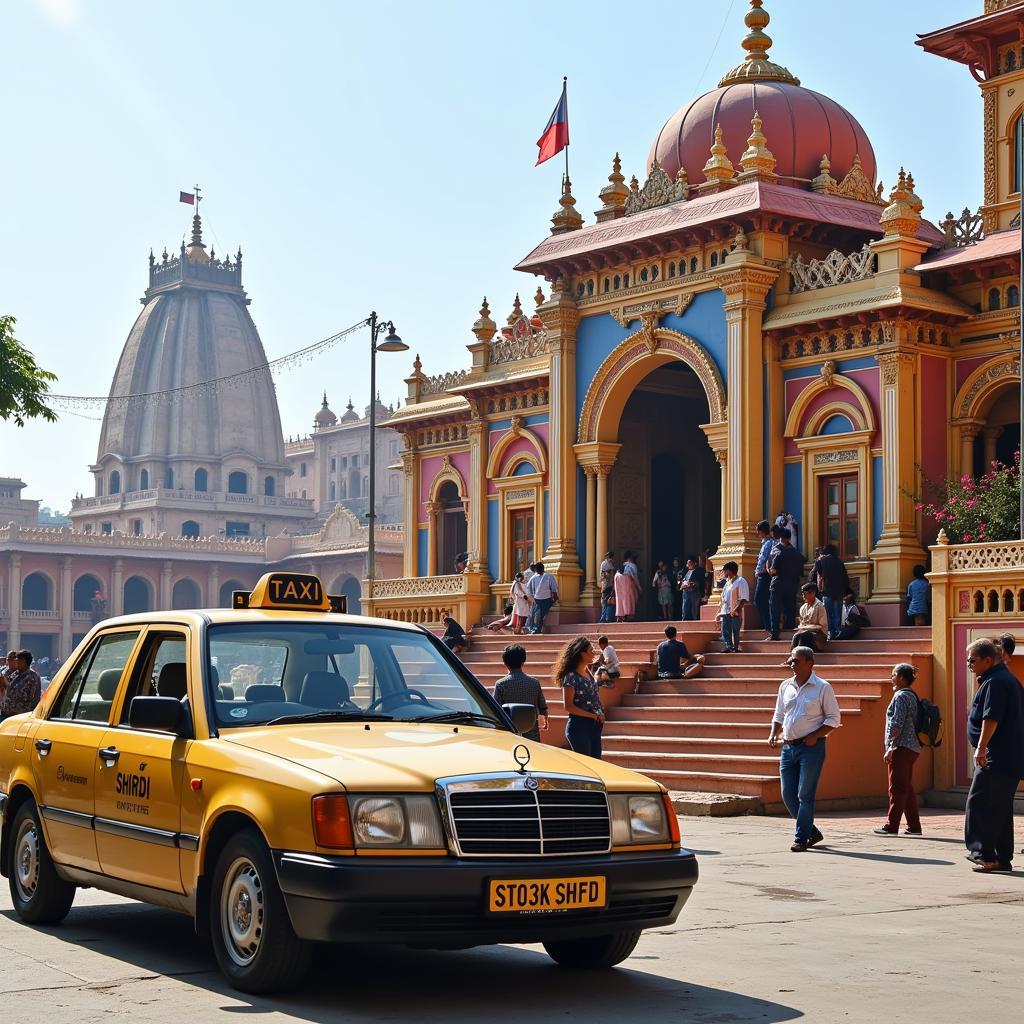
(805, 713)
(544, 591)
(762, 581)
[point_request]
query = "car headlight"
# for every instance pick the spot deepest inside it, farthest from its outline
(639, 818)
(402, 822)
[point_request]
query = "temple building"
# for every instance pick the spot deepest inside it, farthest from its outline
(760, 326)
(331, 464)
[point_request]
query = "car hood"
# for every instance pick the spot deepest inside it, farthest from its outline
(410, 757)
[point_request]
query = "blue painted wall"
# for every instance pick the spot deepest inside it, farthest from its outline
(421, 552)
(581, 518)
(547, 517)
(843, 366)
(793, 489)
(524, 469)
(528, 421)
(837, 425)
(877, 485)
(596, 336)
(492, 538)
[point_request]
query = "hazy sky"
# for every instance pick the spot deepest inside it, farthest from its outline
(376, 156)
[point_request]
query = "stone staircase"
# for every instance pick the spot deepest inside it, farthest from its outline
(707, 735)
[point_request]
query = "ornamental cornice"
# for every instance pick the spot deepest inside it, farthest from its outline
(693, 284)
(677, 305)
(747, 283)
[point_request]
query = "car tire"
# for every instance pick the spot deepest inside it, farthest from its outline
(253, 939)
(597, 953)
(39, 895)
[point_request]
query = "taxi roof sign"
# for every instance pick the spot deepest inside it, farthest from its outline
(289, 591)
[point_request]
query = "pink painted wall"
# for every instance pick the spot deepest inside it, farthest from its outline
(965, 367)
(521, 446)
(866, 378)
(429, 468)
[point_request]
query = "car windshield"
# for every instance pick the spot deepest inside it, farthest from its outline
(278, 673)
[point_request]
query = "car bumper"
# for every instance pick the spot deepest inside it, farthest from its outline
(440, 902)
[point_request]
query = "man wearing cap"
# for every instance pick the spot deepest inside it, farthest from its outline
(805, 713)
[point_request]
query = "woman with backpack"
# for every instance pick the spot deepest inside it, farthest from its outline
(902, 748)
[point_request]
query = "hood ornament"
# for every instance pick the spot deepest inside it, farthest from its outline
(522, 755)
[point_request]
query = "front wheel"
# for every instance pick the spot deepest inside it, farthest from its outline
(597, 953)
(39, 895)
(256, 947)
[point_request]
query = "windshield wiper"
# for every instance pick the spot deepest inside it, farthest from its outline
(328, 716)
(455, 716)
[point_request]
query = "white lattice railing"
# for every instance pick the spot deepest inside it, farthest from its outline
(981, 580)
(835, 268)
(47, 537)
(420, 586)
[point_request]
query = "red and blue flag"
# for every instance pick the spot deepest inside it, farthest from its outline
(556, 135)
(187, 197)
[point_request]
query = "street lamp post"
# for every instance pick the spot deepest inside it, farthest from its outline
(391, 343)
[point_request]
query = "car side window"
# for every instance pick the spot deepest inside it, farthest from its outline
(160, 670)
(89, 694)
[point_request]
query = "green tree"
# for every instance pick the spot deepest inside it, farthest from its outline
(24, 385)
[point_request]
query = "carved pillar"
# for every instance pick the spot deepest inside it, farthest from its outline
(990, 435)
(166, 593)
(898, 549)
(560, 318)
(410, 563)
(596, 458)
(213, 586)
(116, 596)
(592, 555)
(432, 510)
(66, 607)
(745, 287)
(477, 484)
(968, 432)
(14, 603)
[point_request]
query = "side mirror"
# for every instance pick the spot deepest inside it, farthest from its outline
(524, 716)
(162, 714)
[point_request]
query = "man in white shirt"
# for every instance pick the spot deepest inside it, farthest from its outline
(608, 668)
(805, 713)
(735, 595)
(544, 591)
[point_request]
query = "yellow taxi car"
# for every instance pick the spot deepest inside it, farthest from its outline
(287, 775)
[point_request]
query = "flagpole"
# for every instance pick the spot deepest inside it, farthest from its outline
(565, 90)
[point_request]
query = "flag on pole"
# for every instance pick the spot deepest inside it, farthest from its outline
(556, 135)
(187, 197)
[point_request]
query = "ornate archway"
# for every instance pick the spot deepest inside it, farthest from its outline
(974, 403)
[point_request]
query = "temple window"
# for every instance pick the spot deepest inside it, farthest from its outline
(268, 486)
(169, 479)
(238, 483)
(625, 280)
(334, 465)
(590, 287)
(1012, 296)
(190, 528)
(333, 491)
(607, 284)
(618, 282)
(115, 482)
(693, 265)
(302, 469)
(993, 298)
(144, 480)
(654, 273)
(672, 269)
(580, 289)
(840, 514)
(644, 275)
(714, 259)
(201, 480)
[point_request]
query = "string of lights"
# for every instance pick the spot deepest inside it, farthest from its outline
(80, 405)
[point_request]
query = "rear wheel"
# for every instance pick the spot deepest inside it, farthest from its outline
(256, 947)
(596, 953)
(38, 894)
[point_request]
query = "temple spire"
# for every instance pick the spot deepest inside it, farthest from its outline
(196, 250)
(756, 66)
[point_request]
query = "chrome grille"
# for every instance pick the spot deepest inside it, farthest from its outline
(526, 816)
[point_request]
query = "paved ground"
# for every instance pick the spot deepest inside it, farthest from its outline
(867, 928)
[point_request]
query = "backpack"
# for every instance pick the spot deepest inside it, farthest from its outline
(928, 723)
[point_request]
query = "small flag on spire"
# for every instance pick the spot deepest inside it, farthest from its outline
(187, 197)
(555, 136)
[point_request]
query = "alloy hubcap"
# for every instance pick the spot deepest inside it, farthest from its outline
(26, 861)
(242, 911)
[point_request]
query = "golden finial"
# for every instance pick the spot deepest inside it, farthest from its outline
(485, 328)
(517, 311)
(756, 66)
(719, 172)
(196, 250)
(417, 368)
(613, 196)
(538, 297)
(683, 180)
(566, 217)
(900, 217)
(912, 197)
(758, 161)
(824, 182)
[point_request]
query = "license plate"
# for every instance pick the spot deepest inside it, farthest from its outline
(536, 895)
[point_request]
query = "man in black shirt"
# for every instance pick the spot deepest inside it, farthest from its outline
(454, 636)
(519, 688)
(833, 583)
(995, 727)
(675, 660)
(785, 566)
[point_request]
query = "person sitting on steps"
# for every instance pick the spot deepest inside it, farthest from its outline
(675, 660)
(811, 621)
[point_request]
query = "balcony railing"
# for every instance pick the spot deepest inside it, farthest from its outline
(131, 499)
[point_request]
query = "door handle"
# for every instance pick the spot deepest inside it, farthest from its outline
(109, 755)
(43, 746)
